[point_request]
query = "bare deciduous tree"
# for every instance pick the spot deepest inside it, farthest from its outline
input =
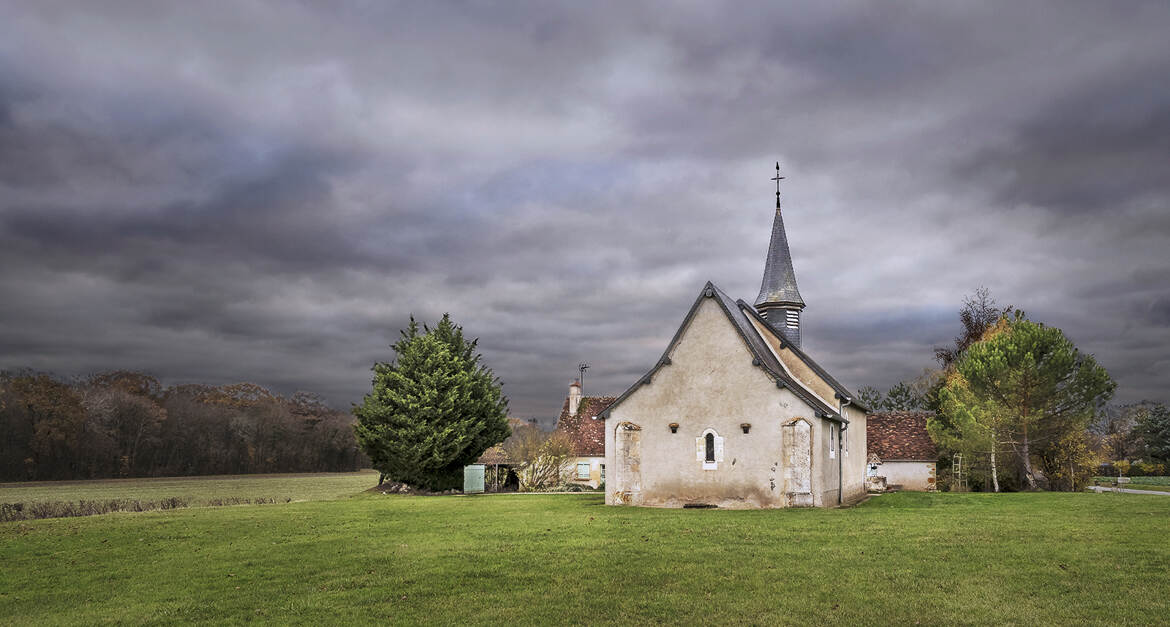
(541, 458)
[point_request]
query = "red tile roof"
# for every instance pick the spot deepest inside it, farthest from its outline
(900, 436)
(587, 434)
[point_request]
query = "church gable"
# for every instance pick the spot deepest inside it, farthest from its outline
(710, 338)
(735, 333)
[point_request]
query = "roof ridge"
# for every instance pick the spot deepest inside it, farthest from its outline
(817, 368)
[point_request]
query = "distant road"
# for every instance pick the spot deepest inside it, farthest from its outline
(1100, 488)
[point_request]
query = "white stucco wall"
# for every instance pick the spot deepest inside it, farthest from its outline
(712, 384)
(908, 475)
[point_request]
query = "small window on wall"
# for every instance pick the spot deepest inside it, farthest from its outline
(709, 449)
(792, 318)
(603, 472)
(583, 470)
(832, 441)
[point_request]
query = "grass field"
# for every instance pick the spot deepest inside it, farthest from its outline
(196, 490)
(522, 559)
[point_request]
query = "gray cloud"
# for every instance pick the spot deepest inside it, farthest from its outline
(267, 193)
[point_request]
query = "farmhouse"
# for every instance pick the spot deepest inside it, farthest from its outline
(734, 413)
(578, 421)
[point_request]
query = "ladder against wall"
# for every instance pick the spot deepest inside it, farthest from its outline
(958, 473)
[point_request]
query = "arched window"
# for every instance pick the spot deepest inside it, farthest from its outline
(709, 449)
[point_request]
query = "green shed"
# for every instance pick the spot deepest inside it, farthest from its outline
(473, 479)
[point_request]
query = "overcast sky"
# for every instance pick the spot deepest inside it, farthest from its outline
(261, 191)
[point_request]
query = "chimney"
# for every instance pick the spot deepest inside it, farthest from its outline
(574, 397)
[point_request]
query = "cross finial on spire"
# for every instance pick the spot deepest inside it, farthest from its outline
(778, 178)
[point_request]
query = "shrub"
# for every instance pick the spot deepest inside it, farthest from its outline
(1147, 469)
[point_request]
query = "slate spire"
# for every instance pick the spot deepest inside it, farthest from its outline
(779, 300)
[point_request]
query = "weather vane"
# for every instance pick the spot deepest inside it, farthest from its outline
(778, 178)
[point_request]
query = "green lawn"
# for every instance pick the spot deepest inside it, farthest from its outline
(196, 490)
(524, 559)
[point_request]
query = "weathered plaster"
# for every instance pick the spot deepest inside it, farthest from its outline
(854, 455)
(595, 471)
(919, 476)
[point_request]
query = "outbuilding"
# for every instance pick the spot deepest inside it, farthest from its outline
(901, 450)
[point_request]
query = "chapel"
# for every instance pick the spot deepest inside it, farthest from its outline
(734, 413)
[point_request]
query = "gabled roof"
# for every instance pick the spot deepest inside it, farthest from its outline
(900, 436)
(761, 354)
(587, 434)
(841, 390)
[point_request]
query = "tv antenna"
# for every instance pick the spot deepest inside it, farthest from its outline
(581, 368)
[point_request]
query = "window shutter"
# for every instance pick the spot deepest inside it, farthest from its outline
(718, 449)
(699, 452)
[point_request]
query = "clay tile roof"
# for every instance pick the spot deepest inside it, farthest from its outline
(587, 434)
(900, 436)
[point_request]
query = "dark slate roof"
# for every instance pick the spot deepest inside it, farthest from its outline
(900, 436)
(757, 346)
(779, 284)
(587, 434)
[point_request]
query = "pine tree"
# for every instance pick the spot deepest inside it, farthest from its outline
(902, 397)
(1153, 428)
(1028, 386)
(432, 411)
(871, 397)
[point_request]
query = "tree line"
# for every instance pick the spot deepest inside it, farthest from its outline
(126, 424)
(1025, 408)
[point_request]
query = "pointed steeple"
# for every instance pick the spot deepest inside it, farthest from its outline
(779, 300)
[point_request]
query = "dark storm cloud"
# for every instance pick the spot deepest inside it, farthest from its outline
(1102, 147)
(266, 193)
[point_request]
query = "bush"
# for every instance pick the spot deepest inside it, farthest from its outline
(1147, 469)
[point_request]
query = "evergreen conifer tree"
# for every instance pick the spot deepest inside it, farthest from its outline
(1154, 429)
(433, 410)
